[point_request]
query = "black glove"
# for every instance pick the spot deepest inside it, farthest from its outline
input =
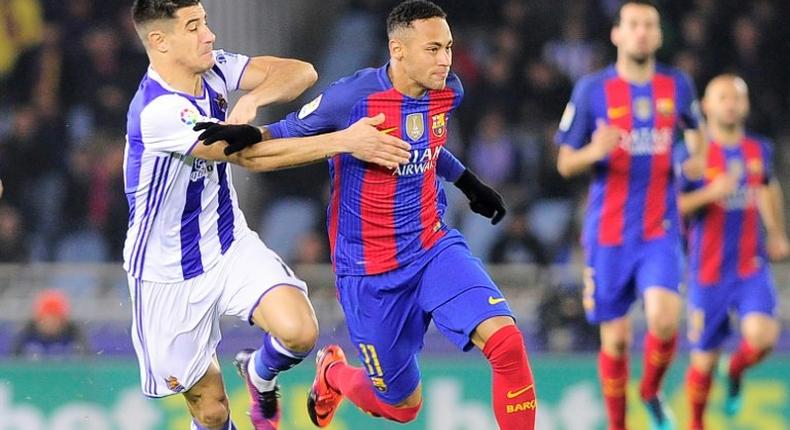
(238, 136)
(483, 199)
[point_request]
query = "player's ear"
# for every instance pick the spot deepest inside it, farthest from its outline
(396, 49)
(157, 41)
(614, 35)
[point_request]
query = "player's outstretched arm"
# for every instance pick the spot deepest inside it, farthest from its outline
(224, 142)
(483, 199)
(270, 80)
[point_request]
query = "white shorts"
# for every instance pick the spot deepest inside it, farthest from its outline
(175, 326)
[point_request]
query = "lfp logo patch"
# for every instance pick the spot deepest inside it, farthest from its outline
(189, 116)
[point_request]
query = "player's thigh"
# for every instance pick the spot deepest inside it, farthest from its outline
(709, 317)
(756, 304)
(207, 400)
(609, 286)
(257, 276)
(387, 328)
(658, 274)
(175, 332)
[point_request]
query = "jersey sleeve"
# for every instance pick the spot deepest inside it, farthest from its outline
(684, 185)
(577, 123)
(230, 67)
(327, 112)
(689, 112)
(448, 166)
(166, 125)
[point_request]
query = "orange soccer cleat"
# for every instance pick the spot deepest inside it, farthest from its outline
(323, 400)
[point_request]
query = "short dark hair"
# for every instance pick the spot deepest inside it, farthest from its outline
(412, 10)
(144, 11)
(625, 3)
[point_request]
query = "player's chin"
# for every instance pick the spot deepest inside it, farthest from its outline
(437, 83)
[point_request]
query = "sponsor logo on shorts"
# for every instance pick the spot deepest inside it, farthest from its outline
(494, 301)
(173, 385)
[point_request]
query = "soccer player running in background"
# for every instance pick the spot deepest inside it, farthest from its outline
(728, 251)
(189, 254)
(620, 125)
(398, 264)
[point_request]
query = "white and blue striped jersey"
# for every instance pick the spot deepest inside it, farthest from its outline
(183, 212)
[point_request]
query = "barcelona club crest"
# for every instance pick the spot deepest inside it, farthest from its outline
(415, 126)
(439, 125)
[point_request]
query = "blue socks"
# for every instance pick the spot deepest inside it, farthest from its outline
(273, 358)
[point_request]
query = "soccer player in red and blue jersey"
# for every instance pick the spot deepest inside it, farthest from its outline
(398, 264)
(728, 249)
(621, 125)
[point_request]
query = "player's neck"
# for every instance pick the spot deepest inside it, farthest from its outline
(635, 72)
(402, 83)
(178, 78)
(727, 136)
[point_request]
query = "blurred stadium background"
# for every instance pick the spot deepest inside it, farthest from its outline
(69, 68)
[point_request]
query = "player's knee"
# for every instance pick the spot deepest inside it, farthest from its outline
(213, 415)
(505, 350)
(663, 326)
(761, 342)
(299, 335)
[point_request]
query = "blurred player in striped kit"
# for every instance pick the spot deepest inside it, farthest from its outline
(729, 247)
(621, 125)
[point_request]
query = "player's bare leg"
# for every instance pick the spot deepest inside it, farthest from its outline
(513, 390)
(613, 368)
(662, 312)
(288, 319)
(698, 382)
(208, 402)
(760, 333)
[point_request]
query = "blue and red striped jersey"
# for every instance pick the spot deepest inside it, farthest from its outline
(632, 191)
(725, 238)
(380, 219)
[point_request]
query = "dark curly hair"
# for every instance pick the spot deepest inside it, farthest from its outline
(412, 10)
(144, 11)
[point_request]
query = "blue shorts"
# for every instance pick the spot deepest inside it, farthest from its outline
(615, 274)
(710, 307)
(387, 314)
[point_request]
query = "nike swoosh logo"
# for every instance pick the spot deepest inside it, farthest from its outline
(389, 130)
(617, 112)
(493, 301)
(514, 394)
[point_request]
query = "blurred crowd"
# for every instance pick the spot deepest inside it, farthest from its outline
(68, 70)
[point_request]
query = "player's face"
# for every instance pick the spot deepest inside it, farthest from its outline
(638, 35)
(428, 52)
(190, 39)
(726, 102)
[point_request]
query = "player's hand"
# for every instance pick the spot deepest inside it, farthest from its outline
(605, 139)
(483, 199)
(237, 136)
(778, 247)
(365, 142)
(723, 186)
(244, 111)
(694, 168)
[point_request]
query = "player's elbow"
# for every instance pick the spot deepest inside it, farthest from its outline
(307, 74)
(564, 169)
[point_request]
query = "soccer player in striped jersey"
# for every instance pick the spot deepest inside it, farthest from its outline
(729, 247)
(189, 254)
(621, 125)
(398, 264)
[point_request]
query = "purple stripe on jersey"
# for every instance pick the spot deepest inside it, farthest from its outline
(219, 73)
(158, 199)
(140, 239)
(191, 260)
(149, 90)
(225, 209)
(158, 179)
